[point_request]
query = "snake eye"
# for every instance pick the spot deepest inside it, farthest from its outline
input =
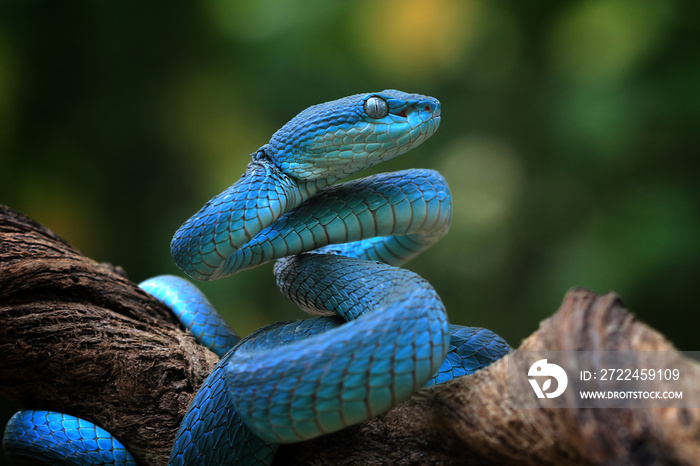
(376, 107)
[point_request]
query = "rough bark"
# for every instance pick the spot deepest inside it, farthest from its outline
(77, 337)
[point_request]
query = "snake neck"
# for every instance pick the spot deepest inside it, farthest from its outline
(319, 146)
(231, 219)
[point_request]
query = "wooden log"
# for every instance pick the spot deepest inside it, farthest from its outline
(78, 337)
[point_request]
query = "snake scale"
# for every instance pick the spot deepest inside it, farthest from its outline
(379, 332)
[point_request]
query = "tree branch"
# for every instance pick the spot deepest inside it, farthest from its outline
(78, 337)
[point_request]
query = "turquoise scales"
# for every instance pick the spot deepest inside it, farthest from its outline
(321, 145)
(58, 438)
(338, 247)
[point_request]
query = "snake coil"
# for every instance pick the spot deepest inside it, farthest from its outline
(379, 332)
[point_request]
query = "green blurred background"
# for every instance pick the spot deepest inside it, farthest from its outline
(569, 136)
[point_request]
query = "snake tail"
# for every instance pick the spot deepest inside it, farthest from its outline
(58, 438)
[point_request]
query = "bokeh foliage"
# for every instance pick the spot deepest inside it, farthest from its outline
(569, 135)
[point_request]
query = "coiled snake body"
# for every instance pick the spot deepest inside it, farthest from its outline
(381, 332)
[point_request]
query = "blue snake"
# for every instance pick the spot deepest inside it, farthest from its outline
(379, 332)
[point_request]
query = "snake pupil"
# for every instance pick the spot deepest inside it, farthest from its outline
(375, 107)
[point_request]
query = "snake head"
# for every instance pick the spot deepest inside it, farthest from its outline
(338, 138)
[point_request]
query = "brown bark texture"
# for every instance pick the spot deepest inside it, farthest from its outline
(77, 337)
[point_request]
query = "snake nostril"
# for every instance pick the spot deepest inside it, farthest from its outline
(404, 112)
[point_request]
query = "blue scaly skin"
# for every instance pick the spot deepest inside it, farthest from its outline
(318, 147)
(381, 332)
(57, 438)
